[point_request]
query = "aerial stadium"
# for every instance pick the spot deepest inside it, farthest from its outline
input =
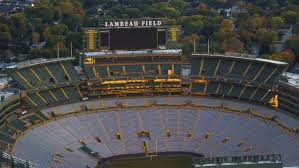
(136, 101)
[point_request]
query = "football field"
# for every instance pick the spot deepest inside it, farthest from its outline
(156, 162)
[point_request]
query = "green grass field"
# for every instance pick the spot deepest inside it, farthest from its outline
(156, 162)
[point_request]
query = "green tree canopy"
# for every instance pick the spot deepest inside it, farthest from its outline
(192, 24)
(265, 36)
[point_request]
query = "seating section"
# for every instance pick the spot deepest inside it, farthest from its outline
(147, 71)
(133, 70)
(18, 124)
(70, 70)
(102, 71)
(235, 90)
(209, 67)
(198, 87)
(114, 132)
(89, 73)
(6, 139)
(8, 106)
(164, 69)
(255, 71)
(57, 95)
(151, 69)
(288, 98)
(42, 74)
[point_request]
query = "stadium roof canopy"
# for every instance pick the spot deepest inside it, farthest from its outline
(135, 53)
(38, 61)
(244, 57)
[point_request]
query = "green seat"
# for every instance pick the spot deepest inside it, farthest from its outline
(195, 66)
(102, 70)
(151, 69)
(224, 66)
(47, 96)
(247, 93)
(224, 89)
(116, 68)
(212, 88)
(240, 68)
(253, 70)
(209, 66)
(41, 72)
(19, 124)
(177, 69)
(71, 71)
(259, 94)
(89, 72)
(36, 99)
(33, 119)
(198, 87)
(267, 71)
(58, 94)
(72, 92)
(236, 91)
(273, 79)
(134, 69)
(57, 72)
(6, 138)
(21, 83)
(29, 76)
(165, 68)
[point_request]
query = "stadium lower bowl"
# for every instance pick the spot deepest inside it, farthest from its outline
(109, 127)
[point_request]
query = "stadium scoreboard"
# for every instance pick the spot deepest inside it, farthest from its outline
(131, 35)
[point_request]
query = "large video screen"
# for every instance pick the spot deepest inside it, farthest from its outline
(133, 38)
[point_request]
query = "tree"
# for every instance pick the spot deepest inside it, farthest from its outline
(290, 16)
(133, 12)
(55, 34)
(294, 45)
(211, 25)
(58, 29)
(282, 56)
(190, 39)
(19, 26)
(46, 14)
(35, 37)
(192, 24)
(266, 4)
(246, 36)
(256, 22)
(227, 26)
(165, 10)
(179, 4)
(75, 38)
(42, 53)
(189, 42)
(73, 21)
(276, 22)
(219, 36)
(36, 24)
(116, 11)
(64, 8)
(187, 49)
(266, 37)
(233, 45)
(296, 28)
(5, 36)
